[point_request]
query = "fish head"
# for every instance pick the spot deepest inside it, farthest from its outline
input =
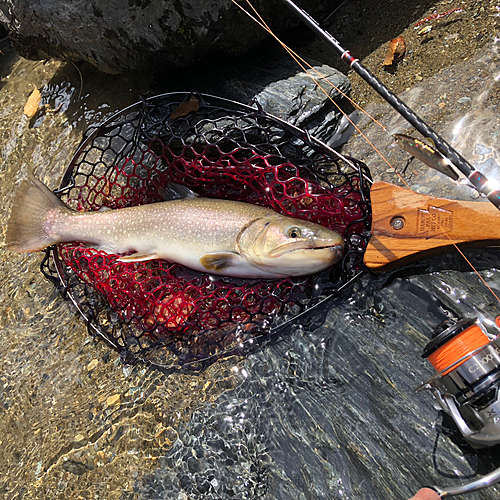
(284, 246)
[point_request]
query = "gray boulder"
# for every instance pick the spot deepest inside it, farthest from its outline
(129, 35)
(283, 90)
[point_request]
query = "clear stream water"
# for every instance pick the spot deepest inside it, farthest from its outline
(326, 412)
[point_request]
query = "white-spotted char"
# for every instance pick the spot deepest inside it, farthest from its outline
(218, 236)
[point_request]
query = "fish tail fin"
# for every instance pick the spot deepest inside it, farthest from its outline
(25, 230)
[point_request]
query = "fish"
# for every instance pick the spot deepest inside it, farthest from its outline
(218, 236)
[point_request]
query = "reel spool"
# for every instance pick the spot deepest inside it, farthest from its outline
(466, 385)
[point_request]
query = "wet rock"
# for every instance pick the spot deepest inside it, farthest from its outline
(117, 36)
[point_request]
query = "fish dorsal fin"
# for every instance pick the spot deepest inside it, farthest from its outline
(138, 257)
(218, 261)
(174, 191)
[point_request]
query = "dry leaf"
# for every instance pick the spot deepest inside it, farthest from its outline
(32, 104)
(396, 52)
(186, 107)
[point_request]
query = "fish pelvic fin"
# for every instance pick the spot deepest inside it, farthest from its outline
(26, 230)
(138, 257)
(218, 261)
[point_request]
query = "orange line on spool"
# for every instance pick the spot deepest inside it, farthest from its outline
(465, 342)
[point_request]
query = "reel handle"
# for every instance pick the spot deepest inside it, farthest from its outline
(408, 225)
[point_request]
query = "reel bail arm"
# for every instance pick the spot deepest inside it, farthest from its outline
(480, 484)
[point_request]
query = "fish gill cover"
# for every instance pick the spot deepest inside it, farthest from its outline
(161, 312)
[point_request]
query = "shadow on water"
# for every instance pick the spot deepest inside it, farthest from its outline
(481, 259)
(8, 56)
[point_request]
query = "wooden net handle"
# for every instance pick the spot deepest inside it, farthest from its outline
(410, 225)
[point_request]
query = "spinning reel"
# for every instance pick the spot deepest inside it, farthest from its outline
(467, 387)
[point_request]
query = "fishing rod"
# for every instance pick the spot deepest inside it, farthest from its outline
(476, 178)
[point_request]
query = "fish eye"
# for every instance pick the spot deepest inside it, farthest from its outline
(294, 232)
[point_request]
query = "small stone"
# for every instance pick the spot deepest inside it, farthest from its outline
(113, 400)
(442, 105)
(132, 391)
(92, 365)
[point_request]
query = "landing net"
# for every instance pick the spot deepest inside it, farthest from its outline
(161, 312)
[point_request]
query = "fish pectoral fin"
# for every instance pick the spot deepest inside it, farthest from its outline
(138, 257)
(218, 261)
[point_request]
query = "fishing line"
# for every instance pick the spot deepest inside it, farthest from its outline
(468, 261)
(297, 57)
(298, 60)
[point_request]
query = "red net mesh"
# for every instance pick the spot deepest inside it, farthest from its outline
(163, 312)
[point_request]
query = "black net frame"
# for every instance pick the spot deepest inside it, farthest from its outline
(224, 141)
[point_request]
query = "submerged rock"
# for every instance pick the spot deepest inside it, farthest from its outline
(117, 36)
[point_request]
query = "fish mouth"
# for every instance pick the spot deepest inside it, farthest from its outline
(336, 248)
